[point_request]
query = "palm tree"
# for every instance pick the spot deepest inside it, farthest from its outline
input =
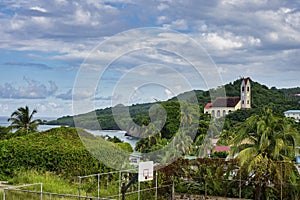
(261, 143)
(22, 119)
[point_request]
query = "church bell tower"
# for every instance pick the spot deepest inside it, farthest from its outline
(246, 93)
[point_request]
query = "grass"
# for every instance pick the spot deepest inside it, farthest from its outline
(50, 183)
(56, 184)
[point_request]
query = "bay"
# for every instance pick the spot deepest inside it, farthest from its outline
(119, 134)
(111, 133)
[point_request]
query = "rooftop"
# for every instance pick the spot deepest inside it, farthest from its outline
(246, 80)
(226, 102)
(292, 111)
(221, 148)
(208, 105)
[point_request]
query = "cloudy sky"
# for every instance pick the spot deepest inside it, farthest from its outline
(54, 53)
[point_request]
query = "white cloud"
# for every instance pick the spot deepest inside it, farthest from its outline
(37, 8)
(161, 19)
(228, 40)
(256, 38)
(82, 17)
(33, 90)
(168, 93)
(179, 24)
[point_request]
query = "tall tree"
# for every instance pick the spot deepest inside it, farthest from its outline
(22, 119)
(262, 142)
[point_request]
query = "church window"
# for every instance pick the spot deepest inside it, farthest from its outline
(218, 113)
(213, 113)
(248, 89)
(224, 112)
(248, 102)
(243, 89)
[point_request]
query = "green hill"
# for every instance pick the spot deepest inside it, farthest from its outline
(278, 100)
(58, 150)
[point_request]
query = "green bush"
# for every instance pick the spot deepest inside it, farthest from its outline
(58, 150)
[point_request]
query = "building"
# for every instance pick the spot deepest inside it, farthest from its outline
(294, 114)
(225, 105)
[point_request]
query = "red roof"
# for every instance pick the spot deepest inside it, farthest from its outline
(226, 102)
(246, 80)
(221, 148)
(208, 105)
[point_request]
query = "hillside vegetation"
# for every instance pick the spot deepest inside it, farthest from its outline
(58, 150)
(279, 100)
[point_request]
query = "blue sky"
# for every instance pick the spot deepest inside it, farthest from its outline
(44, 46)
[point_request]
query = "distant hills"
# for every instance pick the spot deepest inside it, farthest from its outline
(279, 100)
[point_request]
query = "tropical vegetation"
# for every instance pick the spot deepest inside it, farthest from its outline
(22, 119)
(263, 144)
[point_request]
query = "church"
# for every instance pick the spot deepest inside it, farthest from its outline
(225, 105)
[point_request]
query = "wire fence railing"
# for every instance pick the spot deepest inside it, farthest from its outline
(205, 178)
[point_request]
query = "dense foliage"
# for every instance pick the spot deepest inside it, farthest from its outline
(58, 150)
(218, 177)
(279, 100)
(262, 142)
(61, 150)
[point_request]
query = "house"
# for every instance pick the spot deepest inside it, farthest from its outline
(221, 149)
(294, 114)
(225, 105)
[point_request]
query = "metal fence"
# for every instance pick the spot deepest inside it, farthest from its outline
(109, 186)
(100, 186)
(35, 192)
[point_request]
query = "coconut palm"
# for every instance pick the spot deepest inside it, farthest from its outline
(262, 141)
(22, 119)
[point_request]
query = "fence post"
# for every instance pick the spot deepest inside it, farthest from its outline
(4, 195)
(41, 191)
(205, 193)
(98, 186)
(173, 189)
(120, 184)
(156, 172)
(281, 183)
(139, 188)
(79, 187)
(240, 185)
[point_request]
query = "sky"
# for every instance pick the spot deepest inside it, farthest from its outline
(67, 57)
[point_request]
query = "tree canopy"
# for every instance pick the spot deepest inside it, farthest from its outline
(22, 119)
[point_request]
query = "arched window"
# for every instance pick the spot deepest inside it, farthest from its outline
(224, 112)
(243, 89)
(213, 113)
(248, 89)
(218, 113)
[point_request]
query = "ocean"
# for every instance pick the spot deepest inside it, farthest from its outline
(4, 122)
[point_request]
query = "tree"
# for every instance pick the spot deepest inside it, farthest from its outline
(262, 142)
(22, 120)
